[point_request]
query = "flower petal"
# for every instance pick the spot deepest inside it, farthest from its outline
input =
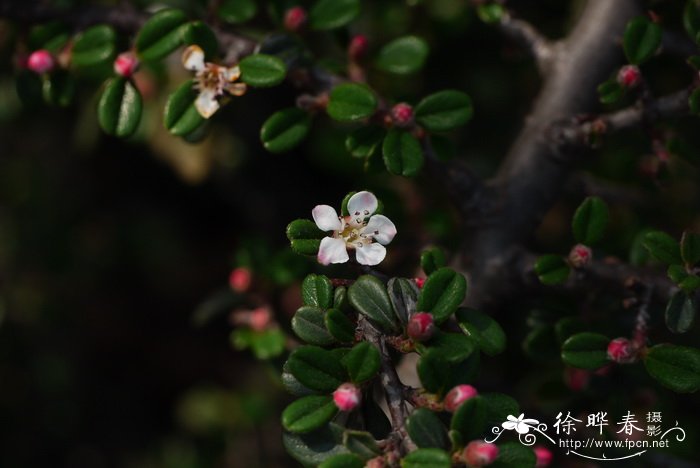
(237, 89)
(332, 250)
(380, 228)
(193, 58)
(206, 103)
(361, 205)
(232, 73)
(326, 218)
(370, 254)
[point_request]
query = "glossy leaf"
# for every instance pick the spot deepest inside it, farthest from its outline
(403, 294)
(317, 290)
(304, 236)
(94, 46)
(161, 34)
(690, 248)
(490, 13)
(434, 372)
(198, 33)
(663, 247)
(181, 116)
(58, 89)
(590, 221)
(316, 368)
(308, 413)
(498, 407)
(309, 325)
(444, 110)
(454, 347)
(237, 11)
(610, 91)
(674, 367)
(426, 430)
(364, 141)
(432, 259)
(403, 56)
(265, 344)
(351, 101)
(369, 296)
(313, 448)
(120, 107)
(586, 350)
(427, 458)
(680, 312)
(552, 269)
(470, 418)
(402, 153)
(285, 129)
(642, 38)
(332, 14)
(52, 36)
(340, 326)
(362, 362)
(487, 333)
(442, 293)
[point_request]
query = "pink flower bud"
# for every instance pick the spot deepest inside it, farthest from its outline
(629, 76)
(544, 456)
(576, 379)
(419, 282)
(620, 350)
(347, 397)
(479, 453)
(580, 256)
(240, 279)
(358, 46)
(41, 61)
(376, 462)
(260, 318)
(295, 19)
(420, 326)
(126, 64)
(457, 396)
(402, 114)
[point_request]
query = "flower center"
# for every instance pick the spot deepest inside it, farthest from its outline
(352, 231)
(212, 78)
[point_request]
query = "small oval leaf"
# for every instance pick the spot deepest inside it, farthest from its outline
(262, 71)
(119, 109)
(181, 117)
(161, 34)
(590, 221)
(369, 296)
(285, 129)
(402, 153)
(442, 293)
(362, 362)
(444, 110)
(351, 101)
(586, 350)
(403, 56)
(308, 413)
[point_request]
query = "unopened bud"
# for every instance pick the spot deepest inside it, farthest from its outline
(260, 319)
(629, 76)
(580, 256)
(479, 453)
(420, 326)
(402, 114)
(419, 282)
(347, 397)
(576, 379)
(357, 48)
(544, 456)
(295, 19)
(126, 64)
(41, 61)
(457, 396)
(240, 279)
(620, 350)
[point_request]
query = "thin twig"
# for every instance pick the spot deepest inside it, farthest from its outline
(541, 49)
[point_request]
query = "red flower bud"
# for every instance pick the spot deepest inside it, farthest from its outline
(295, 19)
(457, 396)
(544, 456)
(240, 279)
(420, 326)
(479, 453)
(260, 318)
(576, 379)
(402, 114)
(580, 256)
(347, 397)
(358, 46)
(629, 76)
(620, 350)
(41, 61)
(419, 282)
(126, 64)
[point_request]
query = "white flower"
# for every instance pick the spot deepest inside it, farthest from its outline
(521, 425)
(211, 80)
(362, 230)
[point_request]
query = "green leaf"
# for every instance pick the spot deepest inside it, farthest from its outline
(237, 11)
(309, 325)
(119, 109)
(316, 368)
(58, 89)
(426, 429)
(292, 385)
(694, 102)
(403, 56)
(691, 18)
(362, 362)
(431, 259)
(266, 344)
(610, 91)
(586, 350)
(351, 101)
(498, 407)
(332, 14)
(552, 269)
(642, 38)
(487, 333)
(680, 312)
(304, 236)
(161, 35)
(340, 326)
(541, 344)
(514, 455)
(677, 273)
(94, 46)
(52, 36)
(442, 293)
(690, 248)
(402, 153)
(444, 110)
(364, 141)
(343, 460)
(317, 290)
(285, 129)
(434, 371)
(674, 367)
(361, 443)
(470, 418)
(313, 448)
(455, 347)
(308, 413)
(181, 117)
(200, 34)
(403, 294)
(568, 326)
(427, 458)
(590, 221)
(490, 13)
(262, 71)
(663, 247)
(690, 283)
(369, 296)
